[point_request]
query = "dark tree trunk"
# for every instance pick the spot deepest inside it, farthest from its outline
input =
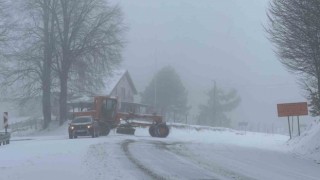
(63, 97)
(46, 104)
(46, 74)
(318, 95)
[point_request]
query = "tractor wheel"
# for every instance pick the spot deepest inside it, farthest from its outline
(162, 130)
(152, 129)
(70, 136)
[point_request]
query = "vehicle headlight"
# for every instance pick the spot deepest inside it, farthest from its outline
(71, 127)
(89, 126)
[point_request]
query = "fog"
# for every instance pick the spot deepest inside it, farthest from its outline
(222, 41)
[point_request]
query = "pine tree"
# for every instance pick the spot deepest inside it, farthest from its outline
(166, 92)
(219, 103)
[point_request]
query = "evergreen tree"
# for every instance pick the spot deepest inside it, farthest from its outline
(166, 92)
(219, 103)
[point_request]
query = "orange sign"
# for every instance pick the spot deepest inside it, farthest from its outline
(292, 109)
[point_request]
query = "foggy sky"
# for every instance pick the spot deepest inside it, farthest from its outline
(221, 40)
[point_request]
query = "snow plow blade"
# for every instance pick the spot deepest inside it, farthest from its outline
(125, 130)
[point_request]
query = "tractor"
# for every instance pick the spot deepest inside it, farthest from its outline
(105, 112)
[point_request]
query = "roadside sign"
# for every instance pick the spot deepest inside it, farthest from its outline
(243, 124)
(292, 109)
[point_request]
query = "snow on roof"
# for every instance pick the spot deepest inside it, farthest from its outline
(110, 82)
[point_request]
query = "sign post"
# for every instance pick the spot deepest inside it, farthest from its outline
(298, 125)
(243, 125)
(5, 121)
(292, 109)
(289, 127)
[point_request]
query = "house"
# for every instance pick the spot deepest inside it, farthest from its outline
(120, 85)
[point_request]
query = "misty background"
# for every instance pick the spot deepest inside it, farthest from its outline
(222, 41)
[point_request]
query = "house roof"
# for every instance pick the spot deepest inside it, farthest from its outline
(112, 81)
(131, 83)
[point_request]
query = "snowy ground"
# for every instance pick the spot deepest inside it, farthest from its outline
(308, 144)
(193, 153)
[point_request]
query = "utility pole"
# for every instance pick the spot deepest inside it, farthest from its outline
(155, 83)
(214, 102)
(155, 91)
(155, 74)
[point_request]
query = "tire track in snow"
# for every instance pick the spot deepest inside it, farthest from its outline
(147, 171)
(106, 160)
(210, 166)
(159, 163)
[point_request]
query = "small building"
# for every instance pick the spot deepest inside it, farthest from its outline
(120, 85)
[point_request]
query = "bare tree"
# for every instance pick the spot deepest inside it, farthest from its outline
(48, 42)
(6, 22)
(89, 34)
(30, 59)
(80, 40)
(294, 28)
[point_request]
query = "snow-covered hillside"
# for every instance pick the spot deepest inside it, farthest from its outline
(308, 144)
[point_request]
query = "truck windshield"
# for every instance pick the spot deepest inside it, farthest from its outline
(110, 104)
(81, 120)
(108, 109)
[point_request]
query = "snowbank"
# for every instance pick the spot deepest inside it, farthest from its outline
(54, 129)
(247, 139)
(220, 135)
(193, 134)
(308, 144)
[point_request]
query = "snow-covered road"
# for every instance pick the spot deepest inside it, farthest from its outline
(155, 160)
(143, 157)
(249, 163)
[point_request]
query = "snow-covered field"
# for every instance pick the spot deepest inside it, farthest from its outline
(188, 153)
